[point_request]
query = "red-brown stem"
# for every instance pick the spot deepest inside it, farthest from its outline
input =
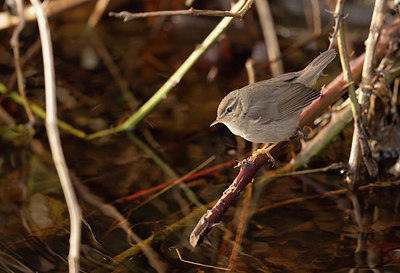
(214, 215)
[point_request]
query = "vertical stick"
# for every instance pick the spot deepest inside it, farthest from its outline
(54, 139)
(270, 37)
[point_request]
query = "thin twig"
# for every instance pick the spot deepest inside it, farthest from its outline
(270, 36)
(54, 139)
(167, 169)
(327, 194)
(332, 39)
(199, 264)
(192, 175)
(174, 183)
(128, 16)
(29, 54)
(97, 12)
(395, 98)
(355, 107)
(245, 215)
(108, 210)
(313, 16)
(6, 118)
(133, 250)
(316, 16)
(113, 69)
(102, 51)
(14, 41)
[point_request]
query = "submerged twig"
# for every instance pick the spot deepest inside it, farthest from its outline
(199, 264)
(30, 52)
(167, 169)
(326, 194)
(113, 69)
(123, 223)
(54, 139)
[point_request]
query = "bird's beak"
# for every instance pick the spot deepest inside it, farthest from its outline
(215, 122)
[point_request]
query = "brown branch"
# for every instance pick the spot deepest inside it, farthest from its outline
(213, 216)
(128, 16)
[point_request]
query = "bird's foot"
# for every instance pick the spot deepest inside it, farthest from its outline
(265, 150)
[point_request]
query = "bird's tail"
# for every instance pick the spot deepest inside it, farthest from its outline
(311, 73)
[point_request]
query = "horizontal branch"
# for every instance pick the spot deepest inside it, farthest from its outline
(127, 16)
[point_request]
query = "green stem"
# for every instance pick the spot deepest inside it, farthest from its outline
(344, 60)
(42, 114)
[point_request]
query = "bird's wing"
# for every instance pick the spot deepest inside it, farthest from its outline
(268, 104)
(261, 106)
(293, 97)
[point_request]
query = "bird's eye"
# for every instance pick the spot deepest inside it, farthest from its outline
(229, 109)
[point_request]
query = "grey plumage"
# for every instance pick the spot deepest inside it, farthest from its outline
(268, 111)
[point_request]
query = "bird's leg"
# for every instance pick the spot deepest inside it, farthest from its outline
(265, 150)
(298, 133)
(301, 133)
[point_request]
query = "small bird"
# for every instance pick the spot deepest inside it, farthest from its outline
(268, 111)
